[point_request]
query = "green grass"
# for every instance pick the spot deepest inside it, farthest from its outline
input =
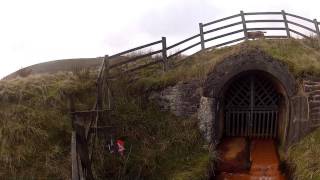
(35, 131)
(304, 158)
(35, 125)
(300, 58)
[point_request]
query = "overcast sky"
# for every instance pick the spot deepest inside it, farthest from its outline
(34, 31)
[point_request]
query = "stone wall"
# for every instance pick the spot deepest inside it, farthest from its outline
(206, 115)
(312, 90)
(183, 99)
(305, 110)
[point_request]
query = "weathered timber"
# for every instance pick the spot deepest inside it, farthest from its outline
(286, 23)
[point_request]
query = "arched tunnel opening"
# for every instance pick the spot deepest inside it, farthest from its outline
(254, 106)
(253, 113)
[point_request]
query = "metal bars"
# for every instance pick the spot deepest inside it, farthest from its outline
(251, 108)
(255, 124)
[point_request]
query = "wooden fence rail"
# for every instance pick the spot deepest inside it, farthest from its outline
(289, 26)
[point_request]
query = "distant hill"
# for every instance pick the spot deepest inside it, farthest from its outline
(52, 67)
(55, 66)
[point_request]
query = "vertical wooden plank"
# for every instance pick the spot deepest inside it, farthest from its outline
(244, 25)
(316, 24)
(107, 72)
(164, 54)
(201, 36)
(74, 157)
(316, 27)
(286, 23)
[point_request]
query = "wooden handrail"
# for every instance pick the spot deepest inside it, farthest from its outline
(229, 42)
(265, 28)
(244, 29)
(223, 35)
(299, 17)
(183, 41)
(264, 20)
(187, 48)
(263, 13)
(302, 26)
(135, 58)
(220, 20)
(222, 27)
(135, 49)
(299, 33)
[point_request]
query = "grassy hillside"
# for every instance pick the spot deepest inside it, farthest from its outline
(304, 157)
(62, 65)
(35, 125)
(35, 132)
(301, 58)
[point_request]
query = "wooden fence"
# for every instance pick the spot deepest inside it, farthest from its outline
(289, 28)
(87, 124)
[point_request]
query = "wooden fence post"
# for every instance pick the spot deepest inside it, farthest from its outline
(106, 80)
(286, 23)
(201, 36)
(74, 157)
(244, 25)
(316, 24)
(164, 54)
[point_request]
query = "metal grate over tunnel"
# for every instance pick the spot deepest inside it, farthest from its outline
(251, 108)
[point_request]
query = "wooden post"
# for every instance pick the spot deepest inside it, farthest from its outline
(316, 24)
(74, 153)
(164, 54)
(286, 23)
(201, 36)
(107, 73)
(244, 25)
(74, 157)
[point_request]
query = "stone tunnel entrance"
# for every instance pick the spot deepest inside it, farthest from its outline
(252, 114)
(251, 106)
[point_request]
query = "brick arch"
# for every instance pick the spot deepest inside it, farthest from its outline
(225, 72)
(256, 60)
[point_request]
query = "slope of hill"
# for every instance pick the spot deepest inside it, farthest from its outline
(35, 125)
(35, 131)
(51, 67)
(304, 157)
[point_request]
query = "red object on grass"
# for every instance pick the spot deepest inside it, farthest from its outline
(120, 144)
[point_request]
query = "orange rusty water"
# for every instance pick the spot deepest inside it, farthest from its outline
(264, 163)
